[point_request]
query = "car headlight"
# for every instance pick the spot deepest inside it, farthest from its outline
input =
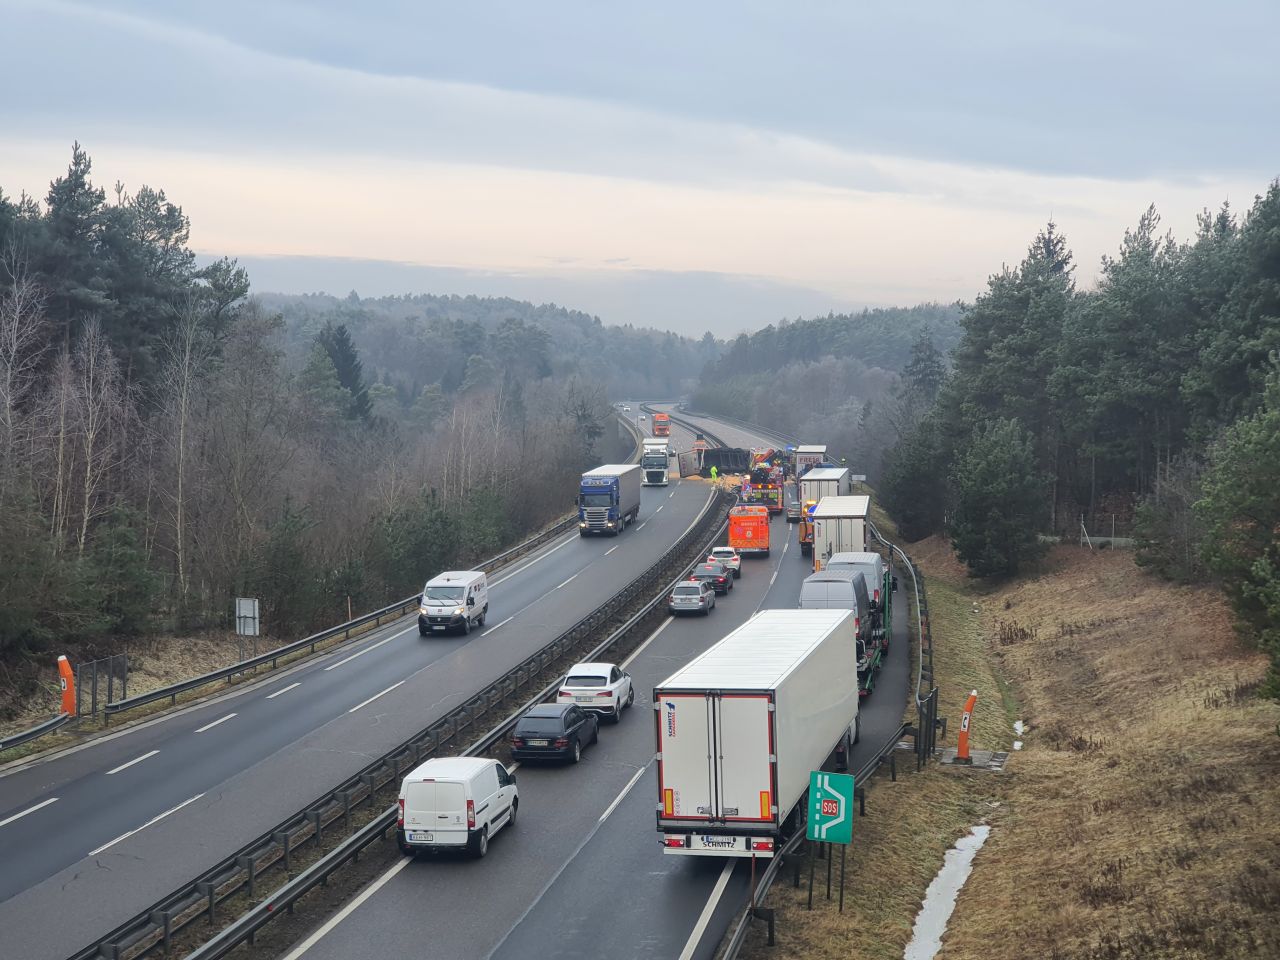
(423, 610)
(460, 611)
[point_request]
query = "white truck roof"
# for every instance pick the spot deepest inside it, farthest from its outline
(812, 448)
(449, 768)
(825, 473)
(611, 469)
(760, 653)
(842, 507)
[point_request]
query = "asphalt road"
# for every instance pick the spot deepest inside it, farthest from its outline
(582, 875)
(92, 835)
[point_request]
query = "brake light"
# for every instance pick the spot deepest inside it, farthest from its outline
(400, 818)
(605, 693)
(562, 741)
(761, 844)
(565, 693)
(471, 814)
(674, 842)
(517, 741)
(857, 624)
(719, 579)
(877, 597)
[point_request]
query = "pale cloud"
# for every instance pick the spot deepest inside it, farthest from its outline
(277, 153)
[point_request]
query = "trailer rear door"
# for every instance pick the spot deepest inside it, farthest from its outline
(744, 758)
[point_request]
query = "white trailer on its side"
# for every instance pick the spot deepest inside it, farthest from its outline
(739, 729)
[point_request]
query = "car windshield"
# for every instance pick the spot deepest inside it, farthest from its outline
(597, 500)
(580, 680)
(718, 553)
(691, 590)
(443, 595)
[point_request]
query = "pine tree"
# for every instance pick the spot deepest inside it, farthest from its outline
(337, 342)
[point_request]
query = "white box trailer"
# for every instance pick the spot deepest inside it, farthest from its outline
(809, 454)
(839, 526)
(824, 482)
(739, 729)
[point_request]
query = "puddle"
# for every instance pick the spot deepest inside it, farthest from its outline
(940, 898)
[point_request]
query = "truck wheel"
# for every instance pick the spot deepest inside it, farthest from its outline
(422, 631)
(857, 729)
(466, 624)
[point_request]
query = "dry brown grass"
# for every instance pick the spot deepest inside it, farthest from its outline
(1141, 818)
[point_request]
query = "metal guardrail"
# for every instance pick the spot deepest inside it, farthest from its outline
(261, 914)
(155, 926)
(34, 733)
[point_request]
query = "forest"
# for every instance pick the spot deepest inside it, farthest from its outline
(1151, 400)
(169, 442)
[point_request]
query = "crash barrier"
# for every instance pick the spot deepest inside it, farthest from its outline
(155, 928)
(34, 733)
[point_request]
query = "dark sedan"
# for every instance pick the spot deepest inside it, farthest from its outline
(554, 731)
(717, 575)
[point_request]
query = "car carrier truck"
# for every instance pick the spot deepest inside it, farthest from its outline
(609, 498)
(739, 729)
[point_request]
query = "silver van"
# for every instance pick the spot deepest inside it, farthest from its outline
(872, 568)
(455, 600)
(456, 803)
(840, 590)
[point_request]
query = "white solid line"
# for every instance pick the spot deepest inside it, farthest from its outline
(19, 816)
(611, 549)
(361, 653)
(126, 836)
(570, 580)
(272, 696)
(625, 790)
(346, 911)
(374, 697)
(648, 640)
(126, 766)
(568, 540)
(497, 625)
(210, 726)
(712, 902)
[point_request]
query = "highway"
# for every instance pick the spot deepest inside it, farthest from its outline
(582, 874)
(94, 834)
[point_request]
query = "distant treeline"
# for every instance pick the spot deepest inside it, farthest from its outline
(1153, 399)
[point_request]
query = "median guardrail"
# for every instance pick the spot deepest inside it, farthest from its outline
(155, 927)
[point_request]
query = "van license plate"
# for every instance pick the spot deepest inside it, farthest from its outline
(435, 626)
(419, 837)
(537, 743)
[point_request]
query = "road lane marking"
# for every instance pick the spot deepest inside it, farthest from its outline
(497, 625)
(570, 580)
(568, 540)
(671, 494)
(272, 696)
(210, 726)
(648, 640)
(625, 790)
(611, 549)
(350, 908)
(374, 697)
(641, 527)
(713, 901)
(659, 510)
(126, 836)
(19, 816)
(361, 653)
(126, 766)
(774, 578)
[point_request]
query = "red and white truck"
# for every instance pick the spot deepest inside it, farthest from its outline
(740, 728)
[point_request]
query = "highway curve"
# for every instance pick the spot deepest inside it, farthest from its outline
(95, 834)
(582, 875)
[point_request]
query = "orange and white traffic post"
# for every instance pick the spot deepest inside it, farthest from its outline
(67, 680)
(962, 743)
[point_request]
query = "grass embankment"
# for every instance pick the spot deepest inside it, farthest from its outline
(1139, 820)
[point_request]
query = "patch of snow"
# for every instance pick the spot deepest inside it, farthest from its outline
(940, 898)
(1019, 727)
(1017, 744)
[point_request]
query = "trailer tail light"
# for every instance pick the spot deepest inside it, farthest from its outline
(764, 805)
(471, 814)
(857, 624)
(877, 597)
(400, 816)
(669, 802)
(761, 844)
(675, 841)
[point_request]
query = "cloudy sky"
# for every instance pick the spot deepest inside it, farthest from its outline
(693, 166)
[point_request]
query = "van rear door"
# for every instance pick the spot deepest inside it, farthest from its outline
(435, 811)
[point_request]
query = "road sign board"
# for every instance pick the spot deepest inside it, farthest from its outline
(830, 807)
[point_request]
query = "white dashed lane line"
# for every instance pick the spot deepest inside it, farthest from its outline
(210, 726)
(19, 816)
(272, 696)
(126, 766)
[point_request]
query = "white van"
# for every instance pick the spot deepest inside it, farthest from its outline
(870, 565)
(456, 803)
(456, 600)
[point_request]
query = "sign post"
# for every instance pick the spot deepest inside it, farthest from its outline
(830, 820)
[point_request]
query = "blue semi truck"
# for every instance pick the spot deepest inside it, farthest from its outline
(609, 498)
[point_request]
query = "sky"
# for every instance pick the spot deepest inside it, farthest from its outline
(688, 166)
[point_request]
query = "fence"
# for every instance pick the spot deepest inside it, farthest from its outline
(100, 683)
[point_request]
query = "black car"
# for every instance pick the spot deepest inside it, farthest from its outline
(554, 731)
(717, 575)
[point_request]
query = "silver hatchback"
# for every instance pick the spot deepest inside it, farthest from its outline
(692, 596)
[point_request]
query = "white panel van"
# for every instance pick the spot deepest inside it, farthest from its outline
(456, 803)
(455, 600)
